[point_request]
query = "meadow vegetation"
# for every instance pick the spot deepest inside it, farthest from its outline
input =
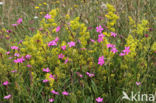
(76, 51)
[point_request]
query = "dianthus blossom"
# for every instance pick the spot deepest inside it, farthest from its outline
(51, 76)
(47, 16)
(17, 54)
(8, 53)
(113, 34)
(46, 70)
(65, 93)
(66, 61)
(114, 50)
(7, 97)
(80, 75)
(51, 100)
(5, 83)
(61, 56)
(99, 29)
(101, 60)
(14, 25)
(93, 41)
(99, 99)
(14, 47)
(90, 74)
(100, 37)
(63, 47)
(53, 42)
(54, 92)
(28, 56)
(71, 44)
(29, 66)
(126, 50)
(138, 83)
(19, 60)
(110, 46)
(19, 21)
(58, 29)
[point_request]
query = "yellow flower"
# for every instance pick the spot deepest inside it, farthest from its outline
(45, 3)
(37, 7)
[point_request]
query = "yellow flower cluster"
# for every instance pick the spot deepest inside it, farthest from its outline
(140, 28)
(50, 23)
(34, 47)
(51, 80)
(111, 17)
(154, 47)
(83, 35)
(132, 43)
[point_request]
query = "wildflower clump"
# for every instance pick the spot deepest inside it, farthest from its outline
(66, 61)
(111, 17)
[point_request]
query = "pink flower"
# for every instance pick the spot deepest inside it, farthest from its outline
(45, 81)
(114, 50)
(58, 29)
(90, 74)
(83, 48)
(7, 97)
(19, 21)
(99, 29)
(101, 60)
(17, 54)
(54, 92)
(51, 100)
(80, 75)
(126, 50)
(66, 61)
(8, 31)
(65, 93)
(100, 37)
(20, 42)
(93, 41)
(53, 42)
(8, 53)
(14, 47)
(5, 83)
(19, 60)
(41, 29)
(56, 39)
(122, 54)
(138, 83)
(28, 56)
(99, 99)
(13, 71)
(47, 16)
(110, 46)
(113, 34)
(14, 24)
(63, 47)
(71, 44)
(61, 56)
(51, 76)
(29, 66)
(46, 70)
(10, 57)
